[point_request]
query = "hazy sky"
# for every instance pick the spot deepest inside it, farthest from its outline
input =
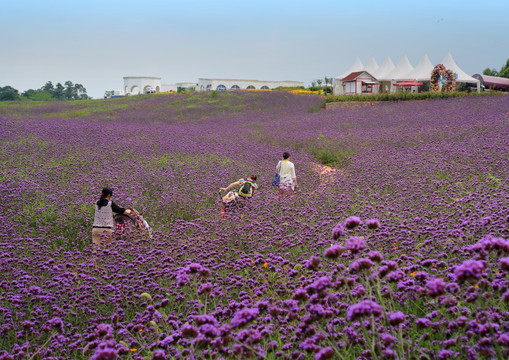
(97, 43)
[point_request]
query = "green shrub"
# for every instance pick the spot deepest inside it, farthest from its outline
(400, 96)
(333, 155)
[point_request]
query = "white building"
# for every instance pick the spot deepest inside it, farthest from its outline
(134, 85)
(337, 83)
(359, 82)
(139, 84)
(238, 84)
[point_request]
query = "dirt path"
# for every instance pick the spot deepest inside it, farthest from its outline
(326, 173)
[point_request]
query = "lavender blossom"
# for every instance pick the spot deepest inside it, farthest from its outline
(362, 309)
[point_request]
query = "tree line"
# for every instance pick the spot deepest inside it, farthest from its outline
(68, 91)
(504, 71)
(317, 84)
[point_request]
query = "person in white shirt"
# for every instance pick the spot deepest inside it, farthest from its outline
(287, 177)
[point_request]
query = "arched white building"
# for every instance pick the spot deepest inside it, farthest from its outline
(139, 84)
(134, 85)
(238, 84)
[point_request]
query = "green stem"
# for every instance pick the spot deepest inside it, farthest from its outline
(46, 343)
(372, 342)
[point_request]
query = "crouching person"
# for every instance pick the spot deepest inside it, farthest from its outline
(104, 224)
(246, 190)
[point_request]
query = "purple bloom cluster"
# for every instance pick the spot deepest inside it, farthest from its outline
(355, 244)
(362, 309)
(469, 270)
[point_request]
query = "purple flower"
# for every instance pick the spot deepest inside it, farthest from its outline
(159, 355)
(396, 318)
(489, 243)
(189, 331)
(387, 339)
(373, 223)
(362, 309)
(503, 339)
(209, 330)
(338, 231)
(360, 264)
(242, 317)
(313, 263)
(352, 222)
(355, 244)
(205, 319)
(470, 269)
(300, 294)
(445, 354)
(205, 288)
(504, 263)
(422, 323)
(375, 256)
(485, 221)
(334, 251)
(317, 311)
(105, 351)
(435, 287)
(325, 353)
(57, 324)
(194, 268)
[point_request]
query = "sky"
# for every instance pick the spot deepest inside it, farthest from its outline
(97, 43)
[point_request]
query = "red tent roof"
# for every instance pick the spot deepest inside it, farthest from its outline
(408, 83)
(355, 75)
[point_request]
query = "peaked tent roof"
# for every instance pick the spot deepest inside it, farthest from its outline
(450, 64)
(400, 72)
(386, 67)
(372, 66)
(422, 72)
(356, 66)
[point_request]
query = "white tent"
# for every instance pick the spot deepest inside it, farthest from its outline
(371, 67)
(450, 64)
(338, 87)
(422, 72)
(384, 69)
(356, 66)
(400, 71)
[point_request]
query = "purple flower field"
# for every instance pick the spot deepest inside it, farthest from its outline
(400, 251)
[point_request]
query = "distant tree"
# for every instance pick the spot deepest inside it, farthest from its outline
(319, 82)
(328, 80)
(313, 83)
(8, 93)
(70, 92)
(504, 72)
(37, 95)
(81, 92)
(490, 72)
(48, 92)
(58, 93)
(48, 87)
